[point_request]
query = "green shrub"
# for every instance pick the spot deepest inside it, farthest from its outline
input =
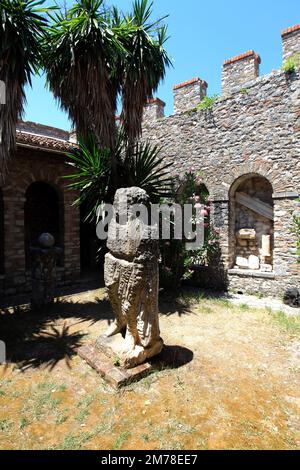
(208, 102)
(291, 63)
(178, 263)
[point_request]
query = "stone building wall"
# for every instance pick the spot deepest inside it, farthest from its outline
(26, 167)
(290, 41)
(240, 70)
(253, 131)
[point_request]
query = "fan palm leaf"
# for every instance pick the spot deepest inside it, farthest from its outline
(144, 67)
(22, 25)
(80, 53)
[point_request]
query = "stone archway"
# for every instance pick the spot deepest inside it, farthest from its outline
(251, 224)
(2, 249)
(43, 212)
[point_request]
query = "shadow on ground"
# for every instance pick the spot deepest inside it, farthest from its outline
(172, 357)
(32, 339)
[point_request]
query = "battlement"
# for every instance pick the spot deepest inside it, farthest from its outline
(237, 72)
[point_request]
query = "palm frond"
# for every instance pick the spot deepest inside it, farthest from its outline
(22, 26)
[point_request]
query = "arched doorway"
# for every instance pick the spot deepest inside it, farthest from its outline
(1, 233)
(251, 240)
(43, 212)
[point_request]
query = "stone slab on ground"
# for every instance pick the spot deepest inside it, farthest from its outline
(276, 305)
(116, 376)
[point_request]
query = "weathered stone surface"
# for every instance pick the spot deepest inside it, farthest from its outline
(131, 277)
(115, 376)
(253, 132)
(254, 262)
(242, 262)
(246, 234)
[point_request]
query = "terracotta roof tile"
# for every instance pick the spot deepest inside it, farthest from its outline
(290, 30)
(243, 56)
(48, 143)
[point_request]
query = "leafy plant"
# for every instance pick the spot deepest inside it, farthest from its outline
(22, 25)
(139, 166)
(178, 263)
(244, 91)
(291, 63)
(208, 102)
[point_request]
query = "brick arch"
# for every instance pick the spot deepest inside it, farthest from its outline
(45, 177)
(256, 187)
(264, 169)
(234, 186)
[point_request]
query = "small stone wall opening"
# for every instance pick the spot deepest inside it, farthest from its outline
(1, 233)
(251, 224)
(43, 213)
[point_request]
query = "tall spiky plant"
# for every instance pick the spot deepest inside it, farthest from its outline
(22, 24)
(94, 56)
(80, 51)
(144, 67)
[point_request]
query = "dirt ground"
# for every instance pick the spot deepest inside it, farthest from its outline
(234, 382)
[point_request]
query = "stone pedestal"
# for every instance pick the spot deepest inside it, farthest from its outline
(102, 357)
(43, 272)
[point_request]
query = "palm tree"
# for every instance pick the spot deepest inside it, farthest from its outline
(22, 25)
(93, 56)
(144, 66)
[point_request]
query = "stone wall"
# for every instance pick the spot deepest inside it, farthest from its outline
(239, 70)
(255, 132)
(188, 94)
(26, 167)
(290, 41)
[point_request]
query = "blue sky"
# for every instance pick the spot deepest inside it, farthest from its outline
(203, 34)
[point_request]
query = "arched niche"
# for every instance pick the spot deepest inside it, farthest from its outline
(251, 224)
(43, 212)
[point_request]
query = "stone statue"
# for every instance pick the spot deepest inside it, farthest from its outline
(131, 277)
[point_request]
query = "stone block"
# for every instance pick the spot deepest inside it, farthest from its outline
(246, 234)
(253, 262)
(242, 262)
(116, 376)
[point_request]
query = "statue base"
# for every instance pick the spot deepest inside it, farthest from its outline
(101, 357)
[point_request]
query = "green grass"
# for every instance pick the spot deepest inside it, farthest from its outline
(74, 441)
(5, 425)
(288, 323)
(244, 307)
(121, 439)
(82, 415)
(23, 423)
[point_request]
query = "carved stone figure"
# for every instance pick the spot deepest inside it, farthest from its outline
(131, 277)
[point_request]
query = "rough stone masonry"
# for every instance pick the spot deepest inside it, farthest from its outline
(252, 131)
